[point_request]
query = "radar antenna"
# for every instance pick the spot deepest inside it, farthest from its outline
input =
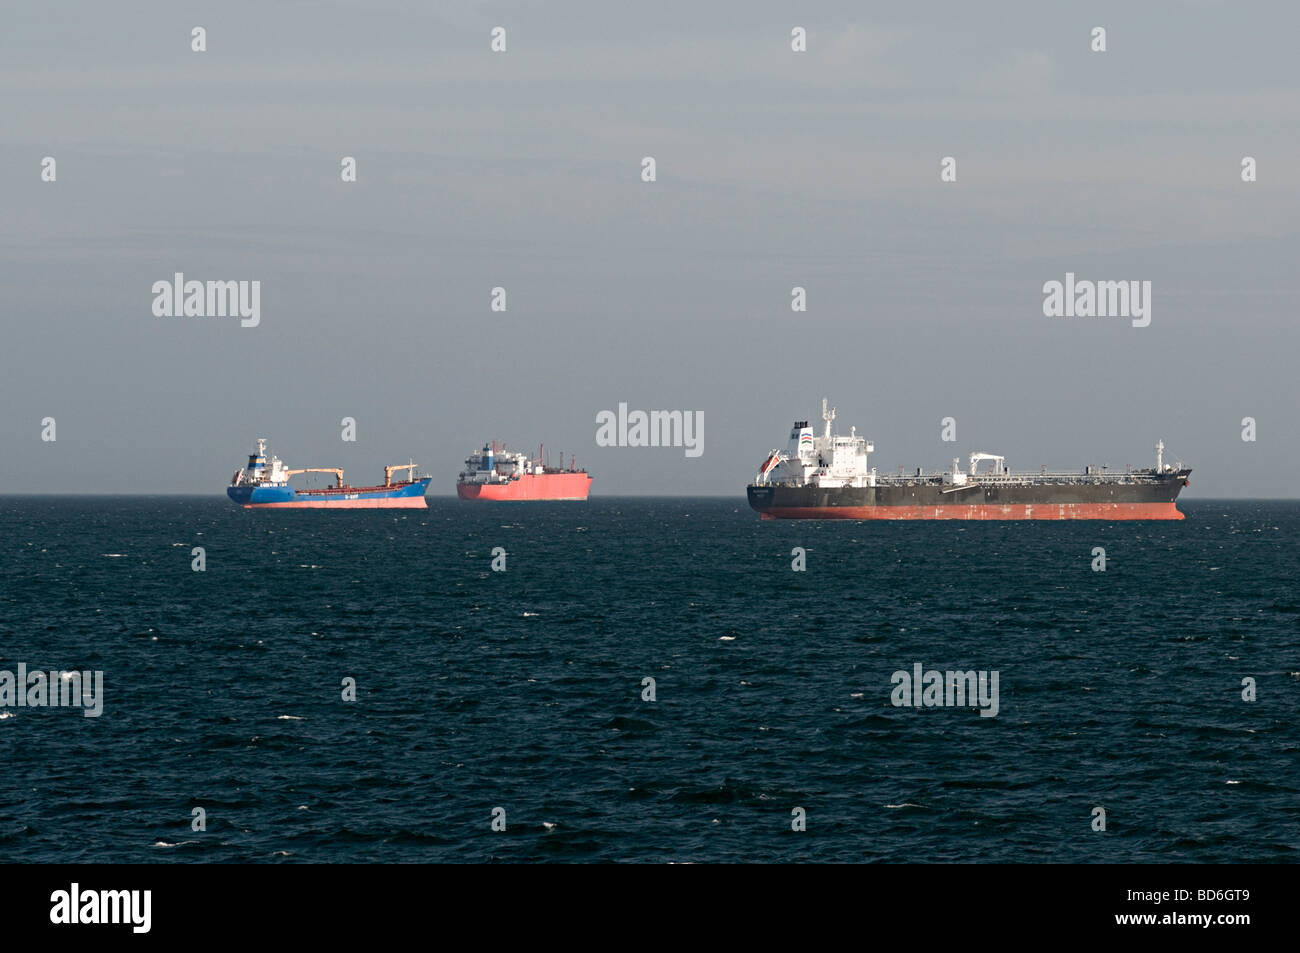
(828, 416)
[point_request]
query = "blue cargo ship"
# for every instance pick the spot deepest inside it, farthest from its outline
(262, 484)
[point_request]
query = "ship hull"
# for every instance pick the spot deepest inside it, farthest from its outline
(1131, 501)
(531, 486)
(400, 496)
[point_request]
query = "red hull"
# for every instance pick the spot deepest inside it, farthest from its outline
(1019, 511)
(391, 503)
(544, 486)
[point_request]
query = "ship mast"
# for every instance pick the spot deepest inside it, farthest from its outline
(828, 416)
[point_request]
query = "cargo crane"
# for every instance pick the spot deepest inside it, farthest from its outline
(999, 463)
(338, 473)
(389, 471)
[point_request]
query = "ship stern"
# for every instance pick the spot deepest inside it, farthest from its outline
(760, 499)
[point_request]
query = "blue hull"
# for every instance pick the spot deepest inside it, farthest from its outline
(408, 495)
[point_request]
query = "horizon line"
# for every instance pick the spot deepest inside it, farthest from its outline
(611, 496)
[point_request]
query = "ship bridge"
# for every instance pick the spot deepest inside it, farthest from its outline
(831, 460)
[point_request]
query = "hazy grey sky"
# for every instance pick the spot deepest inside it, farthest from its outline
(522, 169)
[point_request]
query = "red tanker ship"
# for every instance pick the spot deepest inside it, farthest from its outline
(506, 475)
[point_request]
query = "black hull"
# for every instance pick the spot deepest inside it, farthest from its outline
(1152, 498)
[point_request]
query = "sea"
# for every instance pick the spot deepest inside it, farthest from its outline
(646, 680)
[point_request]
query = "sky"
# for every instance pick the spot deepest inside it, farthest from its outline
(522, 169)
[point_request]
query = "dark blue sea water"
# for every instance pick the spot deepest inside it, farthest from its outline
(522, 689)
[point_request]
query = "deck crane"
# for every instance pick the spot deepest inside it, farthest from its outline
(389, 471)
(976, 458)
(338, 473)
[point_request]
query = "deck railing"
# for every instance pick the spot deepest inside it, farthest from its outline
(1025, 478)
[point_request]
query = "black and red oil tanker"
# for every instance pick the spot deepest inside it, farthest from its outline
(827, 477)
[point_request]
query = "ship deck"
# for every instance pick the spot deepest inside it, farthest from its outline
(1046, 478)
(345, 489)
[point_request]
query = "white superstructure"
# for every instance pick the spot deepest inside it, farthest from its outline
(495, 465)
(258, 472)
(829, 460)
